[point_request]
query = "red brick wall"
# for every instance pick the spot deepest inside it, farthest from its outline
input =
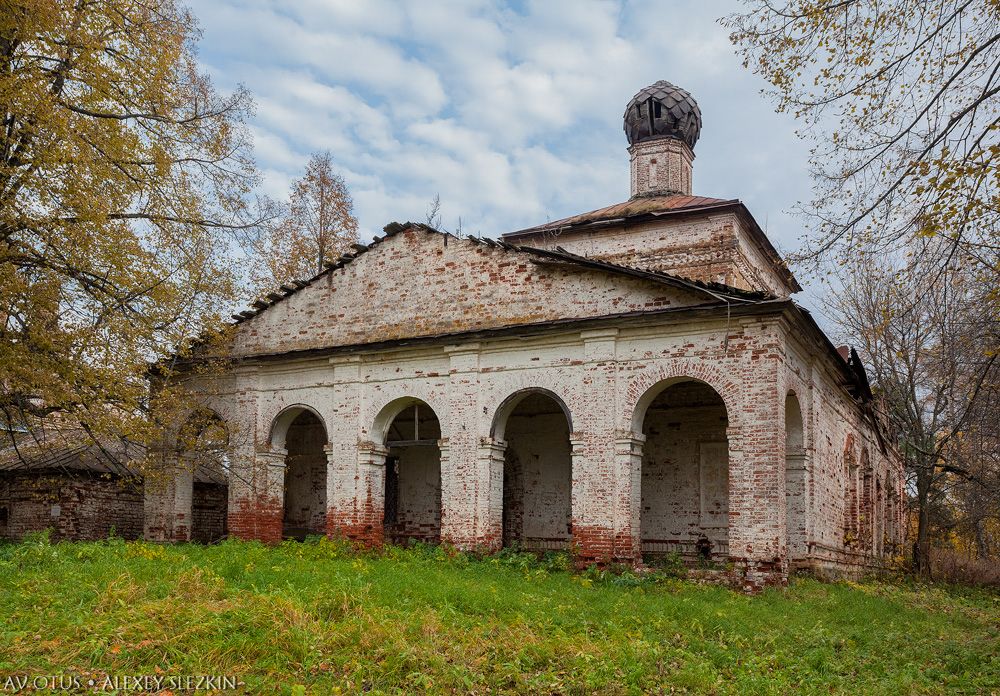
(74, 507)
(419, 283)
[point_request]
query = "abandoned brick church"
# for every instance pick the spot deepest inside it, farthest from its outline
(627, 382)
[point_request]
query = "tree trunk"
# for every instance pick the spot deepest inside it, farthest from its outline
(922, 547)
(982, 548)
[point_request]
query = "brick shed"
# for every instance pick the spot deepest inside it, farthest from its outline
(628, 382)
(76, 490)
(84, 492)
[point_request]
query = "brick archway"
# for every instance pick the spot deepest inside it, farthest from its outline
(644, 387)
(299, 439)
(684, 479)
(509, 404)
(531, 434)
(408, 436)
(378, 414)
(284, 418)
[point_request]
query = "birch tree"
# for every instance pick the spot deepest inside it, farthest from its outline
(125, 181)
(900, 100)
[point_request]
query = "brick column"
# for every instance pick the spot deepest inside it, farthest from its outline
(628, 498)
(458, 497)
(258, 512)
(489, 472)
(167, 499)
(757, 536)
(366, 524)
(334, 510)
(795, 505)
(465, 485)
(600, 512)
(158, 499)
(592, 513)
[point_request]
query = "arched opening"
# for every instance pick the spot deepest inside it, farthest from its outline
(851, 502)
(795, 479)
(880, 519)
(204, 443)
(304, 438)
(866, 523)
(413, 476)
(685, 472)
(537, 471)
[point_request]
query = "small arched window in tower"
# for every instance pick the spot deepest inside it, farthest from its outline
(652, 171)
(656, 109)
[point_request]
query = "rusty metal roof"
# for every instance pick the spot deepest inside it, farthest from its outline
(73, 454)
(635, 207)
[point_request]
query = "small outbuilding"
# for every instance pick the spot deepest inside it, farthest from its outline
(82, 491)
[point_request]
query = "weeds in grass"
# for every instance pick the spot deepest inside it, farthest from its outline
(321, 616)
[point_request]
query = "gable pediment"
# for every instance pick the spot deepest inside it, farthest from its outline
(418, 282)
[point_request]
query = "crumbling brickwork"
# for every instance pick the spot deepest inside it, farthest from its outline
(632, 380)
(840, 454)
(72, 505)
(662, 165)
(384, 296)
(209, 504)
(726, 455)
(712, 244)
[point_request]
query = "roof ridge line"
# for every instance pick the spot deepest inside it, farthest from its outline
(715, 290)
(694, 204)
(671, 278)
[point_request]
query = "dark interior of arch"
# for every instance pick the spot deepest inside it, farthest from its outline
(795, 480)
(205, 438)
(413, 477)
(305, 478)
(685, 474)
(537, 477)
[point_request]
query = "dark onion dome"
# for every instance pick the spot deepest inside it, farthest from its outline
(663, 110)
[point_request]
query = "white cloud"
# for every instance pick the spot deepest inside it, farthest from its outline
(511, 115)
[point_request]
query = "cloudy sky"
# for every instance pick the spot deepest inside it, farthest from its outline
(511, 112)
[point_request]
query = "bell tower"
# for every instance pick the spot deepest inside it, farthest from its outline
(662, 124)
(663, 226)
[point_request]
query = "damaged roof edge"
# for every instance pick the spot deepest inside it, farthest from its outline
(771, 306)
(735, 205)
(717, 291)
(289, 289)
(851, 367)
(393, 228)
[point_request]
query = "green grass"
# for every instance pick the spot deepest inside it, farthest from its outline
(320, 616)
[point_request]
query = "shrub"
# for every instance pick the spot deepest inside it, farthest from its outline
(670, 565)
(948, 565)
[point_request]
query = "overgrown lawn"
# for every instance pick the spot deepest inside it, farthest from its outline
(321, 616)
